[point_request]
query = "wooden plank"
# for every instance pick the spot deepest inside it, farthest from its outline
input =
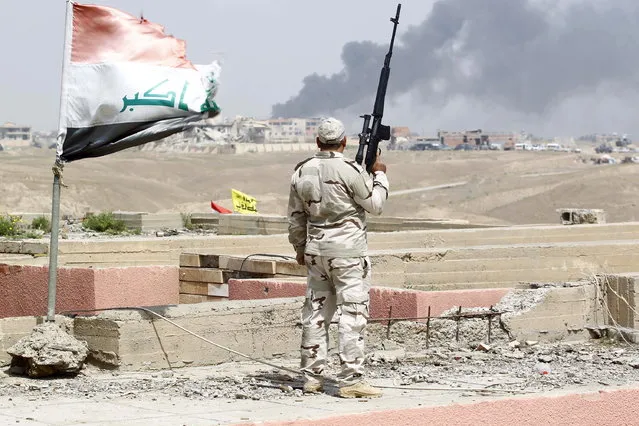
(206, 275)
(204, 289)
(242, 264)
(196, 260)
(194, 298)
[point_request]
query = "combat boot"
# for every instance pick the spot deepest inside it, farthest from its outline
(360, 389)
(312, 385)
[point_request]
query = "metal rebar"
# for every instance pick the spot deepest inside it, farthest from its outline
(458, 319)
(446, 317)
(490, 323)
(388, 325)
(428, 328)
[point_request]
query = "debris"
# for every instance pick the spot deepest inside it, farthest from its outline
(483, 347)
(48, 351)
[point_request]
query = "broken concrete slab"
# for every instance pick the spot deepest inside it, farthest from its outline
(581, 216)
(134, 340)
(550, 314)
(47, 351)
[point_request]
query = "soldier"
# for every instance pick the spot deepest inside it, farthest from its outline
(328, 201)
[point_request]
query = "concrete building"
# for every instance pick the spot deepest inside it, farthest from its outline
(475, 137)
(292, 129)
(14, 136)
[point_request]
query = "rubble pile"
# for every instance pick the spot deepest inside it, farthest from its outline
(48, 351)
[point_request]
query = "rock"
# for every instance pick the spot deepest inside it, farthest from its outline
(167, 374)
(48, 351)
(389, 345)
(514, 344)
(545, 358)
(389, 356)
(634, 363)
(531, 342)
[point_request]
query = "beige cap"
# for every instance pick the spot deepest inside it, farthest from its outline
(331, 131)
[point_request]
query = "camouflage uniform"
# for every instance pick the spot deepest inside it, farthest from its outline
(328, 201)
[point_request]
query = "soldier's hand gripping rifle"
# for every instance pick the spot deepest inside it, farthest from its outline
(372, 136)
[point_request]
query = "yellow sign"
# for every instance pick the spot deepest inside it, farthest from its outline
(243, 203)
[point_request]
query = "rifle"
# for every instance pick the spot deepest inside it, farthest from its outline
(372, 136)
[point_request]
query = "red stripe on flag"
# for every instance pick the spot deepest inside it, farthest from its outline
(220, 209)
(104, 34)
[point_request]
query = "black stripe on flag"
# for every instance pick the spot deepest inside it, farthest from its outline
(97, 141)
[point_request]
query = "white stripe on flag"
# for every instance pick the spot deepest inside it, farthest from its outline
(135, 92)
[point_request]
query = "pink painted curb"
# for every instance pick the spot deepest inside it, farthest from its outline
(23, 289)
(602, 408)
(405, 303)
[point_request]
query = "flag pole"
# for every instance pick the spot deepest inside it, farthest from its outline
(53, 245)
(57, 169)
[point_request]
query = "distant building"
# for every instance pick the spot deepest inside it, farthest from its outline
(292, 129)
(475, 137)
(13, 136)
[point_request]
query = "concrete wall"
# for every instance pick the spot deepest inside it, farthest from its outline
(132, 340)
(620, 294)
(244, 148)
(559, 314)
(166, 251)
(23, 289)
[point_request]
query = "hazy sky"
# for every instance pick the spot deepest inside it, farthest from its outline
(553, 67)
(266, 46)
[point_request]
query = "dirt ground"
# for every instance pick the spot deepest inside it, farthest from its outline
(502, 187)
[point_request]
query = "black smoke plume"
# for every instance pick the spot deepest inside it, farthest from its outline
(523, 55)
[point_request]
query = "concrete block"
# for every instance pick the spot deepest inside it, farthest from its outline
(35, 248)
(242, 264)
(581, 216)
(199, 260)
(136, 341)
(204, 289)
(621, 299)
(255, 289)
(198, 298)
(23, 289)
(562, 313)
(14, 247)
(290, 268)
(207, 275)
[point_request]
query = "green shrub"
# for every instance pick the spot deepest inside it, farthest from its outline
(9, 226)
(104, 222)
(186, 221)
(41, 223)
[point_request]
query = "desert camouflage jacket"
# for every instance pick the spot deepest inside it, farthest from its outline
(327, 206)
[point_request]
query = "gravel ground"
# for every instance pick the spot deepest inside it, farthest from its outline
(512, 367)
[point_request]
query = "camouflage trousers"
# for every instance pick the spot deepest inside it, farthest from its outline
(336, 286)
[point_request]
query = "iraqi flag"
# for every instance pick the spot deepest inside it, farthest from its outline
(125, 83)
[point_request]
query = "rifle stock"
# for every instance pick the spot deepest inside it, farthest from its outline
(370, 137)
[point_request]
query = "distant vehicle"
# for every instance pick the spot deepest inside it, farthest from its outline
(464, 147)
(523, 147)
(427, 146)
(495, 147)
(553, 147)
(603, 149)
